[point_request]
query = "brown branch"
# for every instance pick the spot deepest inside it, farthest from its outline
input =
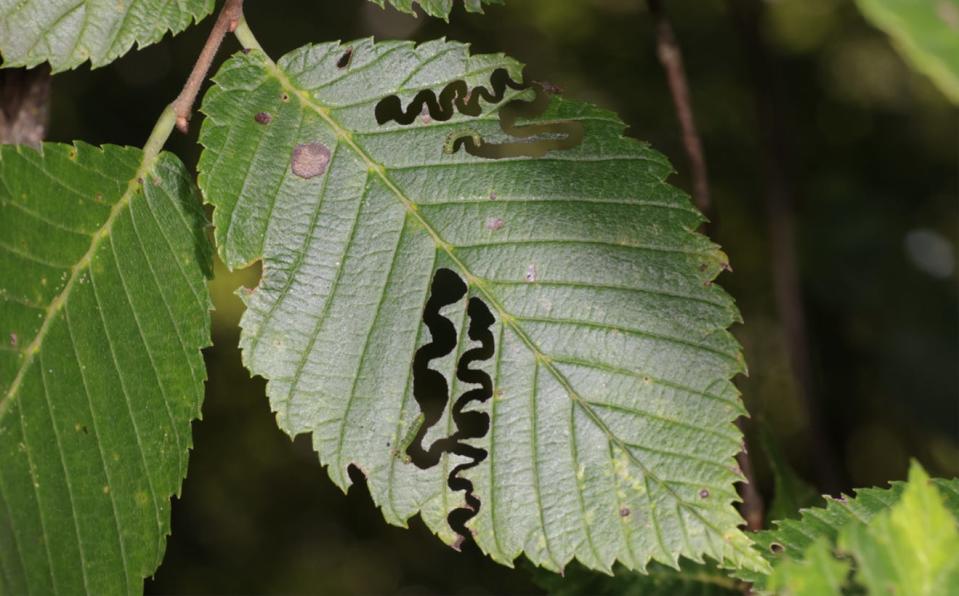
(753, 508)
(667, 50)
(781, 223)
(226, 22)
(24, 105)
(671, 58)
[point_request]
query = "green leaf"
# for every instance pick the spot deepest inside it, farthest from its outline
(435, 8)
(791, 538)
(67, 33)
(611, 434)
(103, 311)
(926, 32)
(817, 573)
(691, 579)
(913, 548)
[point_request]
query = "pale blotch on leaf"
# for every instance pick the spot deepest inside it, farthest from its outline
(494, 223)
(310, 159)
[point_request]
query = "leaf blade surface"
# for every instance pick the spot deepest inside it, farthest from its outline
(67, 33)
(104, 309)
(611, 434)
(911, 548)
(791, 538)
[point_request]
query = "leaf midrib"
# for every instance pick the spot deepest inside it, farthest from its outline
(345, 136)
(59, 302)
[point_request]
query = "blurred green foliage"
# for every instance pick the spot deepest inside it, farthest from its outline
(874, 150)
(927, 33)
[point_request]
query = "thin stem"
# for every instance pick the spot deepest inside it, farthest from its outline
(226, 22)
(245, 36)
(160, 134)
(671, 58)
(753, 508)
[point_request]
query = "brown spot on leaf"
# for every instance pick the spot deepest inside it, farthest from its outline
(310, 159)
(624, 512)
(704, 494)
(494, 223)
(263, 118)
(14, 340)
(492, 196)
(776, 548)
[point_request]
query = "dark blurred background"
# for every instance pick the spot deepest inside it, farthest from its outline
(871, 152)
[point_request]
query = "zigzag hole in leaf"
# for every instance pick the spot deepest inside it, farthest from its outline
(431, 390)
(430, 387)
(539, 138)
(471, 424)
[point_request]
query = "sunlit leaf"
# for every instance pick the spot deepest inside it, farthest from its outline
(791, 538)
(103, 311)
(913, 548)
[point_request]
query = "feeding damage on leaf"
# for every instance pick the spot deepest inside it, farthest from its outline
(432, 392)
(583, 265)
(456, 96)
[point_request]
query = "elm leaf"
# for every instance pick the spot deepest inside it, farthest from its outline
(67, 33)
(573, 284)
(103, 312)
